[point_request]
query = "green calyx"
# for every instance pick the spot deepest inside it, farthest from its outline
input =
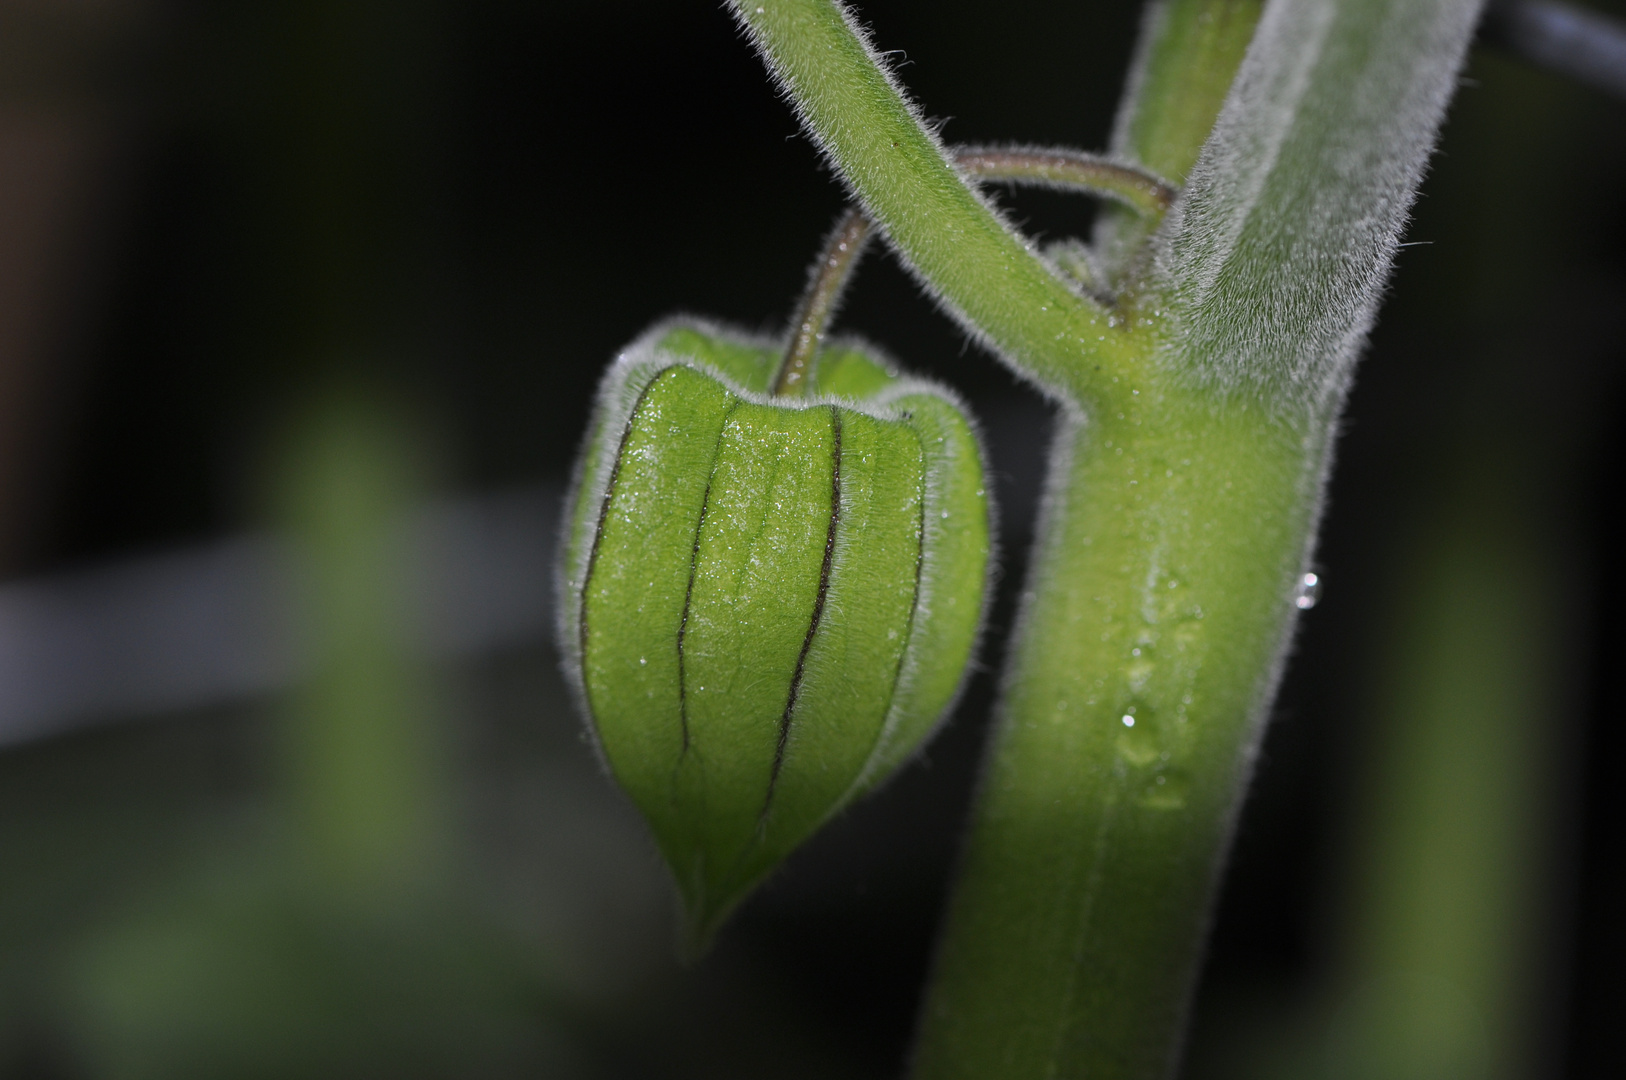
(768, 602)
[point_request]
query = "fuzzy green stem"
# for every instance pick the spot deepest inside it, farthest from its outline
(1188, 54)
(1143, 192)
(1059, 168)
(988, 276)
(825, 286)
(1153, 627)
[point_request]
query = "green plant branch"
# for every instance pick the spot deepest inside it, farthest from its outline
(1161, 601)
(1062, 169)
(1271, 267)
(1184, 64)
(825, 285)
(1187, 55)
(984, 273)
(1139, 190)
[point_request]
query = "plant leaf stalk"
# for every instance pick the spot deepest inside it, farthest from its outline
(825, 285)
(1062, 169)
(1188, 52)
(1195, 417)
(984, 273)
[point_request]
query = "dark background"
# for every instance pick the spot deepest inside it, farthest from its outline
(468, 208)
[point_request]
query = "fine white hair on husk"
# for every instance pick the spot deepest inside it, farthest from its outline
(618, 394)
(873, 774)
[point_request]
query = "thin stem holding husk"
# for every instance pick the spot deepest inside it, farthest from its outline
(825, 286)
(1065, 169)
(1059, 168)
(989, 278)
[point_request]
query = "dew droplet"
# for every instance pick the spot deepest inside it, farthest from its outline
(1138, 744)
(1308, 593)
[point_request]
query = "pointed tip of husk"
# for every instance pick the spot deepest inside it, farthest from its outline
(700, 918)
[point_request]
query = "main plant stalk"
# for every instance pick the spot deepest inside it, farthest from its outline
(1152, 632)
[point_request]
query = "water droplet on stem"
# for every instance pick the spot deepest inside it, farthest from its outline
(1308, 593)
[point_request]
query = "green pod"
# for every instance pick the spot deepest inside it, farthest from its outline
(767, 603)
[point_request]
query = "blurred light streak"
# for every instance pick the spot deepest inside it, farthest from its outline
(213, 624)
(1585, 45)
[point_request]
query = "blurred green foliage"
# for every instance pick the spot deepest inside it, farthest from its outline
(332, 936)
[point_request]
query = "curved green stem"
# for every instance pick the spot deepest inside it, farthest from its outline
(1065, 169)
(1060, 168)
(989, 277)
(825, 285)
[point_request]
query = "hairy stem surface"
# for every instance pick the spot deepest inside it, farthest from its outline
(828, 280)
(1062, 169)
(1159, 606)
(987, 275)
(1138, 190)
(1187, 56)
